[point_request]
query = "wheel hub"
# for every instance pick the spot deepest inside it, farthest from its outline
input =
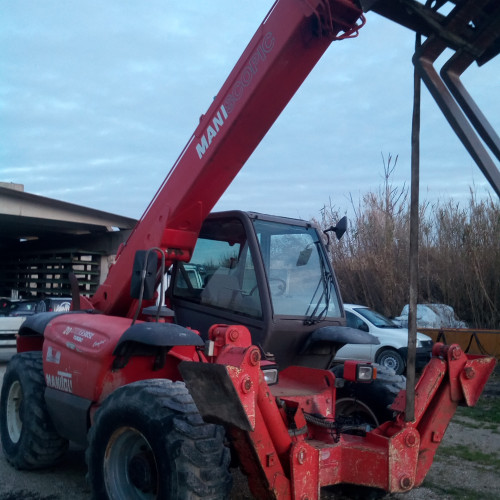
(142, 472)
(390, 362)
(130, 469)
(14, 411)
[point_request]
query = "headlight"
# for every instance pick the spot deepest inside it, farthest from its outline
(356, 371)
(365, 373)
(270, 375)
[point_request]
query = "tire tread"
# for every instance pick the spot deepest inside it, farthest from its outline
(200, 459)
(40, 445)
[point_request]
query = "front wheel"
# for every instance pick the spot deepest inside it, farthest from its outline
(29, 439)
(148, 441)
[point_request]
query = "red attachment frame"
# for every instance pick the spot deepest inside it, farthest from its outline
(288, 443)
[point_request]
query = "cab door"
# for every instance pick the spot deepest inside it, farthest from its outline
(219, 284)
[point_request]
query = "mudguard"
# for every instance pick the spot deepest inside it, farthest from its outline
(30, 336)
(157, 334)
(339, 335)
(152, 338)
(38, 322)
(91, 355)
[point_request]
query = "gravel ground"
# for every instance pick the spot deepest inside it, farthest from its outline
(450, 477)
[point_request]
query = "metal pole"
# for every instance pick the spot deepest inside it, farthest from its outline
(413, 259)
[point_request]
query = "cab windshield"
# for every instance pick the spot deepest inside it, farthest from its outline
(300, 280)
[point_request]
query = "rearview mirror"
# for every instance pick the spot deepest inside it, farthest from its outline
(144, 275)
(304, 256)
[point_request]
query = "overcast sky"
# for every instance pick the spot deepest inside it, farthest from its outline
(98, 99)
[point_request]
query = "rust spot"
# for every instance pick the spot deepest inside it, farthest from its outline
(456, 352)
(233, 370)
(470, 373)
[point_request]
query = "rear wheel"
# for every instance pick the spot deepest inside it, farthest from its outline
(353, 414)
(148, 441)
(359, 408)
(29, 439)
(368, 402)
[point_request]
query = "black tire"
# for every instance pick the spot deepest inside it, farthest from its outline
(29, 439)
(352, 414)
(375, 396)
(355, 492)
(391, 359)
(148, 441)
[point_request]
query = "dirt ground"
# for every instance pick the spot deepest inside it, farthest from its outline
(450, 478)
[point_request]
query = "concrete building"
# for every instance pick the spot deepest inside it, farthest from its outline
(42, 240)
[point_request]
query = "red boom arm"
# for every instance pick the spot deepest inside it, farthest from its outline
(281, 54)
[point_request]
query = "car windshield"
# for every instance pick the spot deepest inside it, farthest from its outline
(300, 280)
(377, 319)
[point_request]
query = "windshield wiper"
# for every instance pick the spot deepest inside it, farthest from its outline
(325, 280)
(313, 318)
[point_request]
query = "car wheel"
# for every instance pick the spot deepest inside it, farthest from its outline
(389, 358)
(148, 441)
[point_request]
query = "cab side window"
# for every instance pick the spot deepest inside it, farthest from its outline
(221, 272)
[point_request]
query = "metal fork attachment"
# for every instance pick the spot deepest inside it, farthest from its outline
(471, 30)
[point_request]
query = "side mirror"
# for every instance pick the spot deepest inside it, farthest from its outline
(339, 229)
(144, 275)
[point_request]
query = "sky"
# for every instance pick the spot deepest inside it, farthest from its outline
(98, 99)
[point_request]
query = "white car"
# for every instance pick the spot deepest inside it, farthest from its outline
(9, 326)
(393, 348)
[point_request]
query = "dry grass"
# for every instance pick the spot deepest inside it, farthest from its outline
(459, 256)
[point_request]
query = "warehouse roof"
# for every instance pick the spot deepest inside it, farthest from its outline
(28, 216)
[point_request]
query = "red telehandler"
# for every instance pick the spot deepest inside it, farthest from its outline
(235, 358)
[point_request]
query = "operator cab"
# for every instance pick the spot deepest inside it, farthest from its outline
(268, 273)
